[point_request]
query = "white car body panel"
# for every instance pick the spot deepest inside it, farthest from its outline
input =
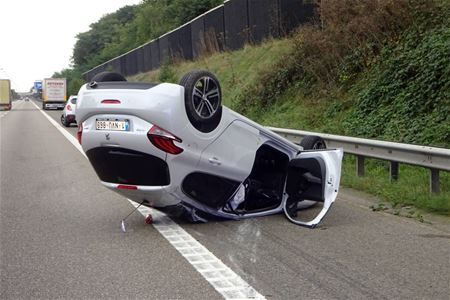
(235, 160)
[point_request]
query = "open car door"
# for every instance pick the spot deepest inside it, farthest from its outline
(313, 178)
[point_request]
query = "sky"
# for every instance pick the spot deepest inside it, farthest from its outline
(37, 36)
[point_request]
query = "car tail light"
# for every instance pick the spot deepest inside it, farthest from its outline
(127, 187)
(110, 101)
(164, 140)
(69, 108)
(80, 133)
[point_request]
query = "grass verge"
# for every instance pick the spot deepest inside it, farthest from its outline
(411, 188)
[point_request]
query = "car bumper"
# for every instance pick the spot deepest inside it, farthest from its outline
(155, 196)
(54, 105)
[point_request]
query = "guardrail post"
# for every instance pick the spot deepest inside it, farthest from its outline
(393, 170)
(434, 181)
(360, 165)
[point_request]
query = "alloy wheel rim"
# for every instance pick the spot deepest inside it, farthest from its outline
(205, 97)
(319, 145)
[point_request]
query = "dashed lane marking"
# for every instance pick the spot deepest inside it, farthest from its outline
(224, 280)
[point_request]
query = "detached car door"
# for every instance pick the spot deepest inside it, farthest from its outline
(313, 177)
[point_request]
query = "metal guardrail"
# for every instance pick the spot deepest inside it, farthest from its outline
(435, 159)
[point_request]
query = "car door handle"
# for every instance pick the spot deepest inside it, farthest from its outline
(214, 161)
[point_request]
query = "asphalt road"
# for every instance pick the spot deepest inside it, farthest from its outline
(61, 238)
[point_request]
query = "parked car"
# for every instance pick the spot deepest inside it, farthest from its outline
(176, 148)
(68, 114)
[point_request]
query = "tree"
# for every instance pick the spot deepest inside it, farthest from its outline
(74, 79)
(125, 29)
(109, 29)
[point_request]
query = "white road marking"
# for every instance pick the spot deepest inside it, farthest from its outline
(226, 282)
(222, 278)
(64, 132)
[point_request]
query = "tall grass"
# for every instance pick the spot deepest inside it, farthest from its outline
(411, 188)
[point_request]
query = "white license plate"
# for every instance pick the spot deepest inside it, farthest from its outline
(112, 125)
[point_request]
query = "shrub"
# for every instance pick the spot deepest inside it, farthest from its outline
(406, 97)
(346, 40)
(167, 73)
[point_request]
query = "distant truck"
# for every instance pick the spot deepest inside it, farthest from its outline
(54, 93)
(5, 94)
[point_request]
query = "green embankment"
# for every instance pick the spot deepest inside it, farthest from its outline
(393, 84)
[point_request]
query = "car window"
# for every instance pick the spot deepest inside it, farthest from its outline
(74, 101)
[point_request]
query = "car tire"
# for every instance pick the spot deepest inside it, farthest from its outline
(203, 99)
(63, 121)
(108, 76)
(313, 142)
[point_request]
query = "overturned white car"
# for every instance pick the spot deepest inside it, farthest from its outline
(174, 147)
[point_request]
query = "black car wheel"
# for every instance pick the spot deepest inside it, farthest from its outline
(64, 121)
(108, 76)
(312, 142)
(203, 99)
